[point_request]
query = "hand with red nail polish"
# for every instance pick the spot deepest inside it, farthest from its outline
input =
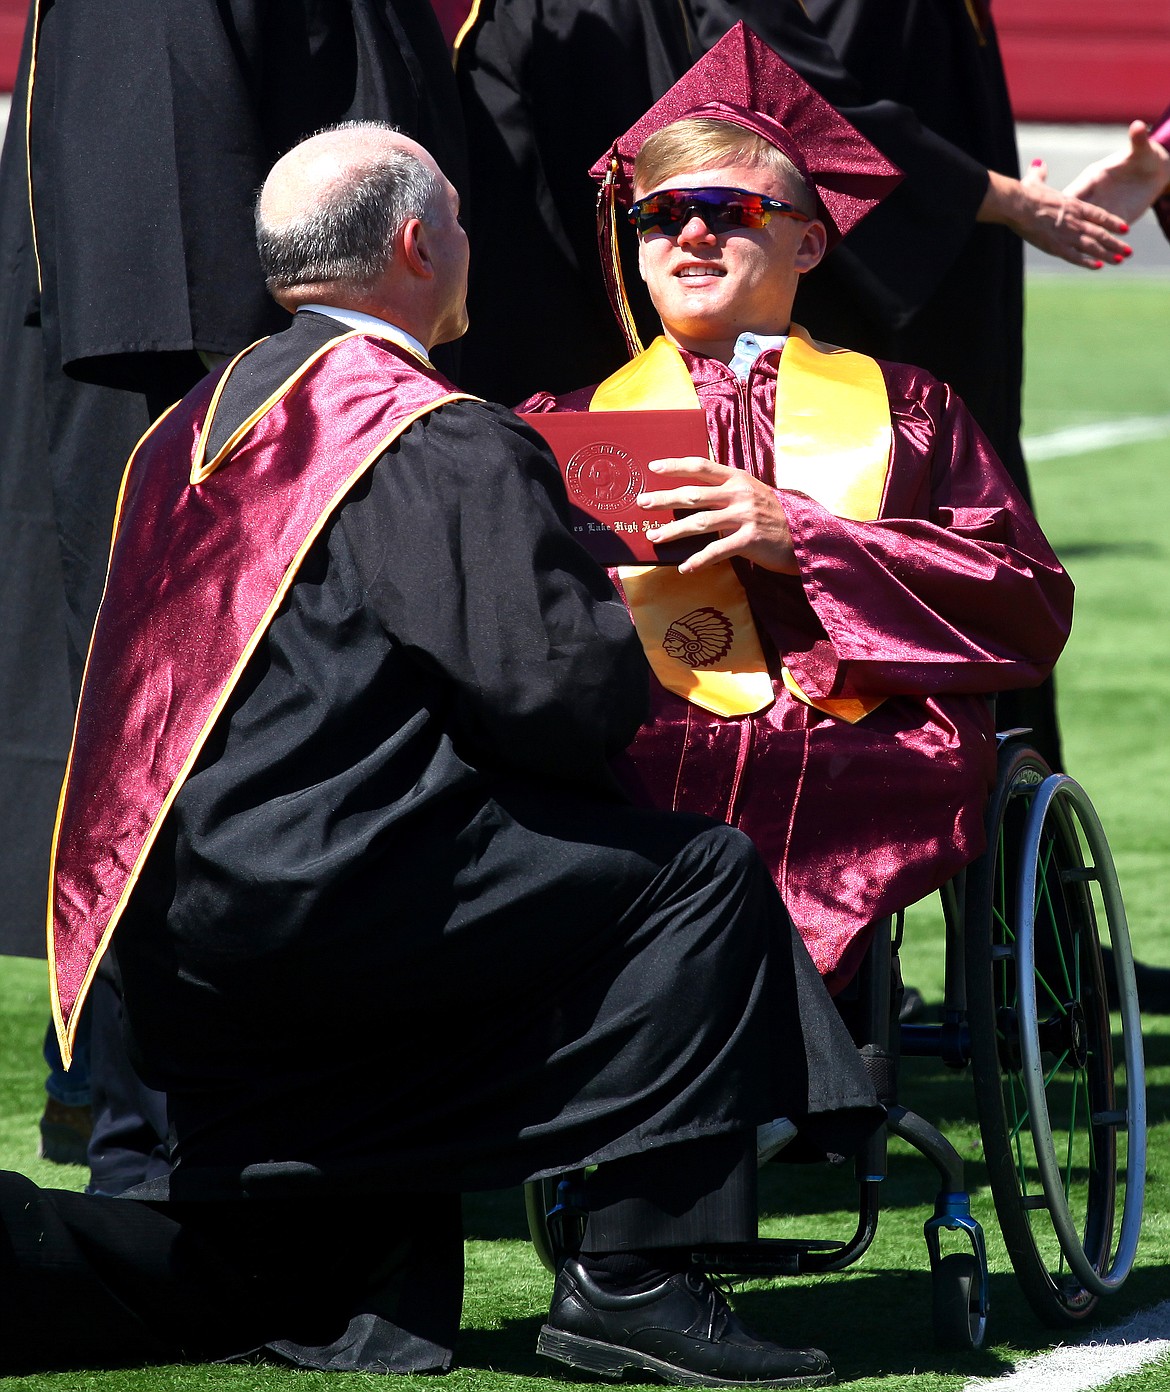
(1054, 222)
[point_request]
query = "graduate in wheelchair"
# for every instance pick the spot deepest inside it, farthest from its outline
(865, 577)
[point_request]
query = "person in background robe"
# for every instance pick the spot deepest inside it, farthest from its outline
(869, 574)
(546, 84)
(341, 794)
(1134, 177)
(130, 264)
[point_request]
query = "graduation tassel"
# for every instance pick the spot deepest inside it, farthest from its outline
(611, 262)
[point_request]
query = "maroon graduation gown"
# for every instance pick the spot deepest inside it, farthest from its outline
(950, 595)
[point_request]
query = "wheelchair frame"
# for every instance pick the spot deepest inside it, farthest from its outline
(1027, 1009)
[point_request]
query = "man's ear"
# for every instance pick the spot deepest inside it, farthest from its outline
(813, 242)
(416, 248)
(641, 267)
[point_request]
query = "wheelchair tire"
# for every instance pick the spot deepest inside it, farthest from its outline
(556, 1218)
(1061, 814)
(1051, 1110)
(960, 1321)
(537, 1202)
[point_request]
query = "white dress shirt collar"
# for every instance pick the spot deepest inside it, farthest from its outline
(748, 347)
(368, 323)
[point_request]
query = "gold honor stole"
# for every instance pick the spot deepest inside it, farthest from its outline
(832, 442)
(205, 551)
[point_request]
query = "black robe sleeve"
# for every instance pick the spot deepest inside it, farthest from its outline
(153, 126)
(465, 555)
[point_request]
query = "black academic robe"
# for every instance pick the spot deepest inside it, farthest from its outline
(546, 86)
(399, 928)
(152, 127)
(36, 703)
(939, 291)
(401, 932)
(960, 311)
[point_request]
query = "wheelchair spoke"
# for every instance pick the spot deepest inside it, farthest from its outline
(1056, 1069)
(1072, 1133)
(1020, 1119)
(1044, 877)
(1057, 1001)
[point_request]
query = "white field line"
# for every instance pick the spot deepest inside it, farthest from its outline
(1095, 1361)
(1082, 439)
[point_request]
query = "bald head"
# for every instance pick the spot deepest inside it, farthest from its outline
(331, 208)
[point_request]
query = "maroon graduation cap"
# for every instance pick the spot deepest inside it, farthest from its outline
(743, 81)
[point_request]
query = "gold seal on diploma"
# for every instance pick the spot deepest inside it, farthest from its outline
(604, 477)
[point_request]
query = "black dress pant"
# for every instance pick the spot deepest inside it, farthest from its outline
(700, 1194)
(130, 1143)
(371, 1283)
(89, 1281)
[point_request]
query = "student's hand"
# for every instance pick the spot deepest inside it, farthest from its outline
(1054, 222)
(1127, 181)
(741, 515)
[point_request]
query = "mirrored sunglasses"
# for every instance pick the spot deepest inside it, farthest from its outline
(721, 209)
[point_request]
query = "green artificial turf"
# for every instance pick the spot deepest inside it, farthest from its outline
(1098, 349)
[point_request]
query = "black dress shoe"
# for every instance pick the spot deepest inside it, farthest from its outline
(682, 1331)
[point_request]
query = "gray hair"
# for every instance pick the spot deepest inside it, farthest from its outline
(347, 238)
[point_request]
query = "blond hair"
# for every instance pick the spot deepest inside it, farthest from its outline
(699, 143)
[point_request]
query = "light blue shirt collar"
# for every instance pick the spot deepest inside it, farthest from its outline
(748, 347)
(368, 323)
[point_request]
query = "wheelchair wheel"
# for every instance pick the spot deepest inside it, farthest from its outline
(960, 1319)
(555, 1210)
(1062, 1117)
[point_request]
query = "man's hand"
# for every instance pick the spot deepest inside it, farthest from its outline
(1058, 224)
(1128, 180)
(741, 514)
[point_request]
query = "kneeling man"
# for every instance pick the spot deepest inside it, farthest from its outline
(340, 793)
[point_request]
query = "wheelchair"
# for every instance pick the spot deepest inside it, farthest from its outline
(1031, 1006)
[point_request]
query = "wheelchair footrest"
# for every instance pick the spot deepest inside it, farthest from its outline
(780, 1256)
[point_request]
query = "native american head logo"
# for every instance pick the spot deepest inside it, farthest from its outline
(699, 638)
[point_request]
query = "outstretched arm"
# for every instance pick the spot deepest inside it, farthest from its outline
(1057, 223)
(1128, 180)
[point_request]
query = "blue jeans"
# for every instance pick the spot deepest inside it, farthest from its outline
(72, 1088)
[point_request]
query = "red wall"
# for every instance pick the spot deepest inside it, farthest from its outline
(1085, 60)
(451, 14)
(13, 14)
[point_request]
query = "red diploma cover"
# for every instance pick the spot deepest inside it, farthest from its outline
(604, 457)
